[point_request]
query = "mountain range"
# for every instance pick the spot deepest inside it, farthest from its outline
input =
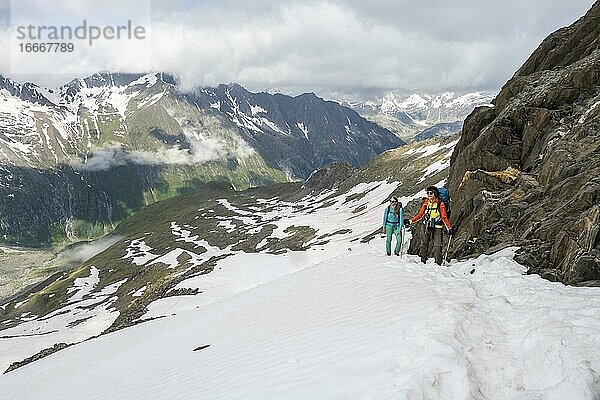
(419, 116)
(77, 159)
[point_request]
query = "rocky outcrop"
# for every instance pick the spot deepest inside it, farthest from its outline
(329, 177)
(27, 91)
(527, 170)
(38, 356)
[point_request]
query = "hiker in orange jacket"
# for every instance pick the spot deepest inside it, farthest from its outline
(434, 215)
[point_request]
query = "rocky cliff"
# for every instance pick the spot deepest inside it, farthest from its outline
(527, 170)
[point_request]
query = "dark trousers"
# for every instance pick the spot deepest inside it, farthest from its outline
(436, 234)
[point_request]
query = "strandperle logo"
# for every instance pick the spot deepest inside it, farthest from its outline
(80, 37)
(84, 31)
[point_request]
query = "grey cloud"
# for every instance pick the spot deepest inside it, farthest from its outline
(113, 155)
(83, 252)
(342, 46)
(203, 149)
(468, 20)
(375, 46)
(73, 11)
(4, 13)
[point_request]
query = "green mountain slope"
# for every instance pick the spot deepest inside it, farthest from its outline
(182, 237)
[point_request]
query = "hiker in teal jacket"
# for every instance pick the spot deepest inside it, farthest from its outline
(393, 219)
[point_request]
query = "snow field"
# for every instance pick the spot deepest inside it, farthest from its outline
(73, 323)
(359, 325)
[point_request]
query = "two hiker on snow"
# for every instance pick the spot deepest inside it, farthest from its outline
(435, 215)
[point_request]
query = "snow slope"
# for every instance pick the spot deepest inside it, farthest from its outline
(360, 325)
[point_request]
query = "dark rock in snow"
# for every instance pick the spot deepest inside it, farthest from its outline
(38, 356)
(329, 177)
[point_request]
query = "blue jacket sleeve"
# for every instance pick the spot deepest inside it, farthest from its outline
(401, 218)
(384, 216)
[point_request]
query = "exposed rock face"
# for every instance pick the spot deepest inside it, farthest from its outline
(527, 171)
(329, 177)
(298, 134)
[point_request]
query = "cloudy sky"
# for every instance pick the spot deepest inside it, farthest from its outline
(333, 48)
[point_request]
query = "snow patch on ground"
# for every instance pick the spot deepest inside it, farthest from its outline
(84, 286)
(139, 252)
(139, 292)
(254, 110)
(73, 323)
(304, 129)
(436, 167)
(148, 80)
(228, 225)
(225, 203)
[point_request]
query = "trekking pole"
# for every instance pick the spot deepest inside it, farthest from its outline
(402, 244)
(447, 249)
